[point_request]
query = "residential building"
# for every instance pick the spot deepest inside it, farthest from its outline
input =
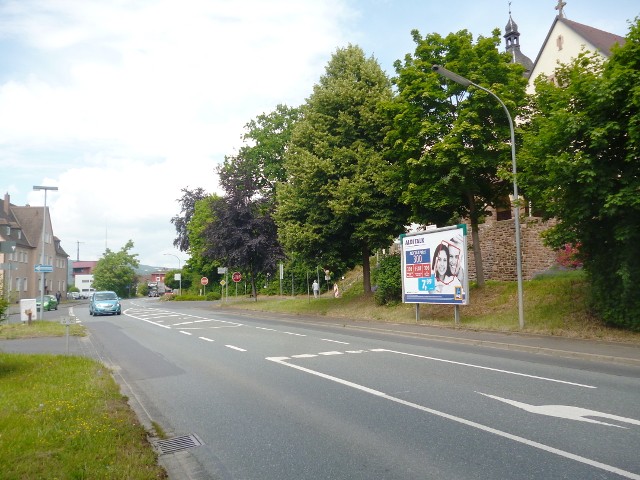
(23, 225)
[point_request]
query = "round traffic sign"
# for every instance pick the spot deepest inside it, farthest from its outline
(204, 280)
(236, 277)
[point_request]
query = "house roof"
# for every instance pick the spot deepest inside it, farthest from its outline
(603, 41)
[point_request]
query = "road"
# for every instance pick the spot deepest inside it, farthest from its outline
(283, 399)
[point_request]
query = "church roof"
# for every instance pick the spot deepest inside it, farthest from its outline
(603, 41)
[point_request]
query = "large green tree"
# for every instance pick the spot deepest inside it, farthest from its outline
(338, 202)
(455, 142)
(581, 164)
(116, 271)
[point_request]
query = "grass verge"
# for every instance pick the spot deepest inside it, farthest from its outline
(554, 304)
(63, 417)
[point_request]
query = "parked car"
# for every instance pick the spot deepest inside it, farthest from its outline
(105, 303)
(74, 295)
(50, 303)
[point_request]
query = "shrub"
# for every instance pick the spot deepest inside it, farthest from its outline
(388, 281)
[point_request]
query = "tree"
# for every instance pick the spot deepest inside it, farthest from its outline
(339, 202)
(580, 164)
(187, 203)
(454, 143)
(116, 271)
(260, 163)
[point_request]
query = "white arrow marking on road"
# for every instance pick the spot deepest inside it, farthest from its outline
(463, 421)
(567, 412)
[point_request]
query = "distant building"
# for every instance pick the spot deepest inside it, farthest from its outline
(23, 226)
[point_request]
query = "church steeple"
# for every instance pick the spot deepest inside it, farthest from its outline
(512, 39)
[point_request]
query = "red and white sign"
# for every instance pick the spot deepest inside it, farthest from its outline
(204, 280)
(236, 277)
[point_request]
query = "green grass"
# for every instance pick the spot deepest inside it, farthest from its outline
(39, 328)
(63, 417)
(554, 304)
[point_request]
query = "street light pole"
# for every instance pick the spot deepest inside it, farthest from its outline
(179, 268)
(44, 224)
(465, 82)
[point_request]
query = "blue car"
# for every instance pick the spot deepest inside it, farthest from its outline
(105, 303)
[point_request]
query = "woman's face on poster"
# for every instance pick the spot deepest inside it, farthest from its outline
(441, 263)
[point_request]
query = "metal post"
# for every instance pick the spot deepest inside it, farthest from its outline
(465, 82)
(44, 225)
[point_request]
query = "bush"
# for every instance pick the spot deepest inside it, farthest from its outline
(388, 281)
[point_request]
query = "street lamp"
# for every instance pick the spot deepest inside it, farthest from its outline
(44, 224)
(465, 82)
(179, 268)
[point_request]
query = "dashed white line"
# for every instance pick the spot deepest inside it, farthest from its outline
(235, 348)
(330, 353)
(296, 334)
(205, 338)
(267, 329)
(186, 333)
(334, 341)
(304, 355)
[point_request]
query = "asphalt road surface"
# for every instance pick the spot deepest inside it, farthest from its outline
(278, 399)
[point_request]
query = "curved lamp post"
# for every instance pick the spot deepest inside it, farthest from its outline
(179, 268)
(44, 224)
(465, 82)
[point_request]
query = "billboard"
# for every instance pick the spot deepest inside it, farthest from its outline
(434, 266)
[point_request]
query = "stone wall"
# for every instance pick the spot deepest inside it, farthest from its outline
(497, 242)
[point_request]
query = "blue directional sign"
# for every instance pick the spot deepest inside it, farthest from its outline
(43, 268)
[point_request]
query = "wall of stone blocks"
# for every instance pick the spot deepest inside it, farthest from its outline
(497, 242)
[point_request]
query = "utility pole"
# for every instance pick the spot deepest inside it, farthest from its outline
(78, 251)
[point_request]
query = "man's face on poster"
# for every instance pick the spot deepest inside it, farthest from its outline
(454, 259)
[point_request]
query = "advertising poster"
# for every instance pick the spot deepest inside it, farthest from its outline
(434, 266)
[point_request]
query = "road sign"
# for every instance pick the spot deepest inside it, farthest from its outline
(204, 280)
(43, 268)
(222, 270)
(236, 277)
(223, 283)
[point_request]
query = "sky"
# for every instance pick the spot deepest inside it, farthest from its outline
(123, 103)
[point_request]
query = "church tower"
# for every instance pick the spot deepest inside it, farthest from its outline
(512, 38)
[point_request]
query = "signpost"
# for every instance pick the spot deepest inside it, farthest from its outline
(204, 281)
(236, 277)
(43, 268)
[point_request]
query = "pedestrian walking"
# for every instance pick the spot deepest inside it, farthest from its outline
(316, 289)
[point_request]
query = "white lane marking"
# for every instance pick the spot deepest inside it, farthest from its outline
(567, 412)
(463, 421)
(186, 333)
(357, 351)
(330, 353)
(304, 355)
(267, 329)
(205, 338)
(296, 334)
(484, 368)
(145, 320)
(236, 348)
(334, 341)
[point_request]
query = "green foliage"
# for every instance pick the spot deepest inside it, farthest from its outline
(454, 142)
(387, 278)
(116, 271)
(339, 202)
(580, 164)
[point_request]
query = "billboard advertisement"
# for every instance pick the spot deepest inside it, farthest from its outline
(434, 266)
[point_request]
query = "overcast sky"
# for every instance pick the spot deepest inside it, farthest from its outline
(121, 104)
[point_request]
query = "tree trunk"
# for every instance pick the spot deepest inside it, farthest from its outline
(366, 270)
